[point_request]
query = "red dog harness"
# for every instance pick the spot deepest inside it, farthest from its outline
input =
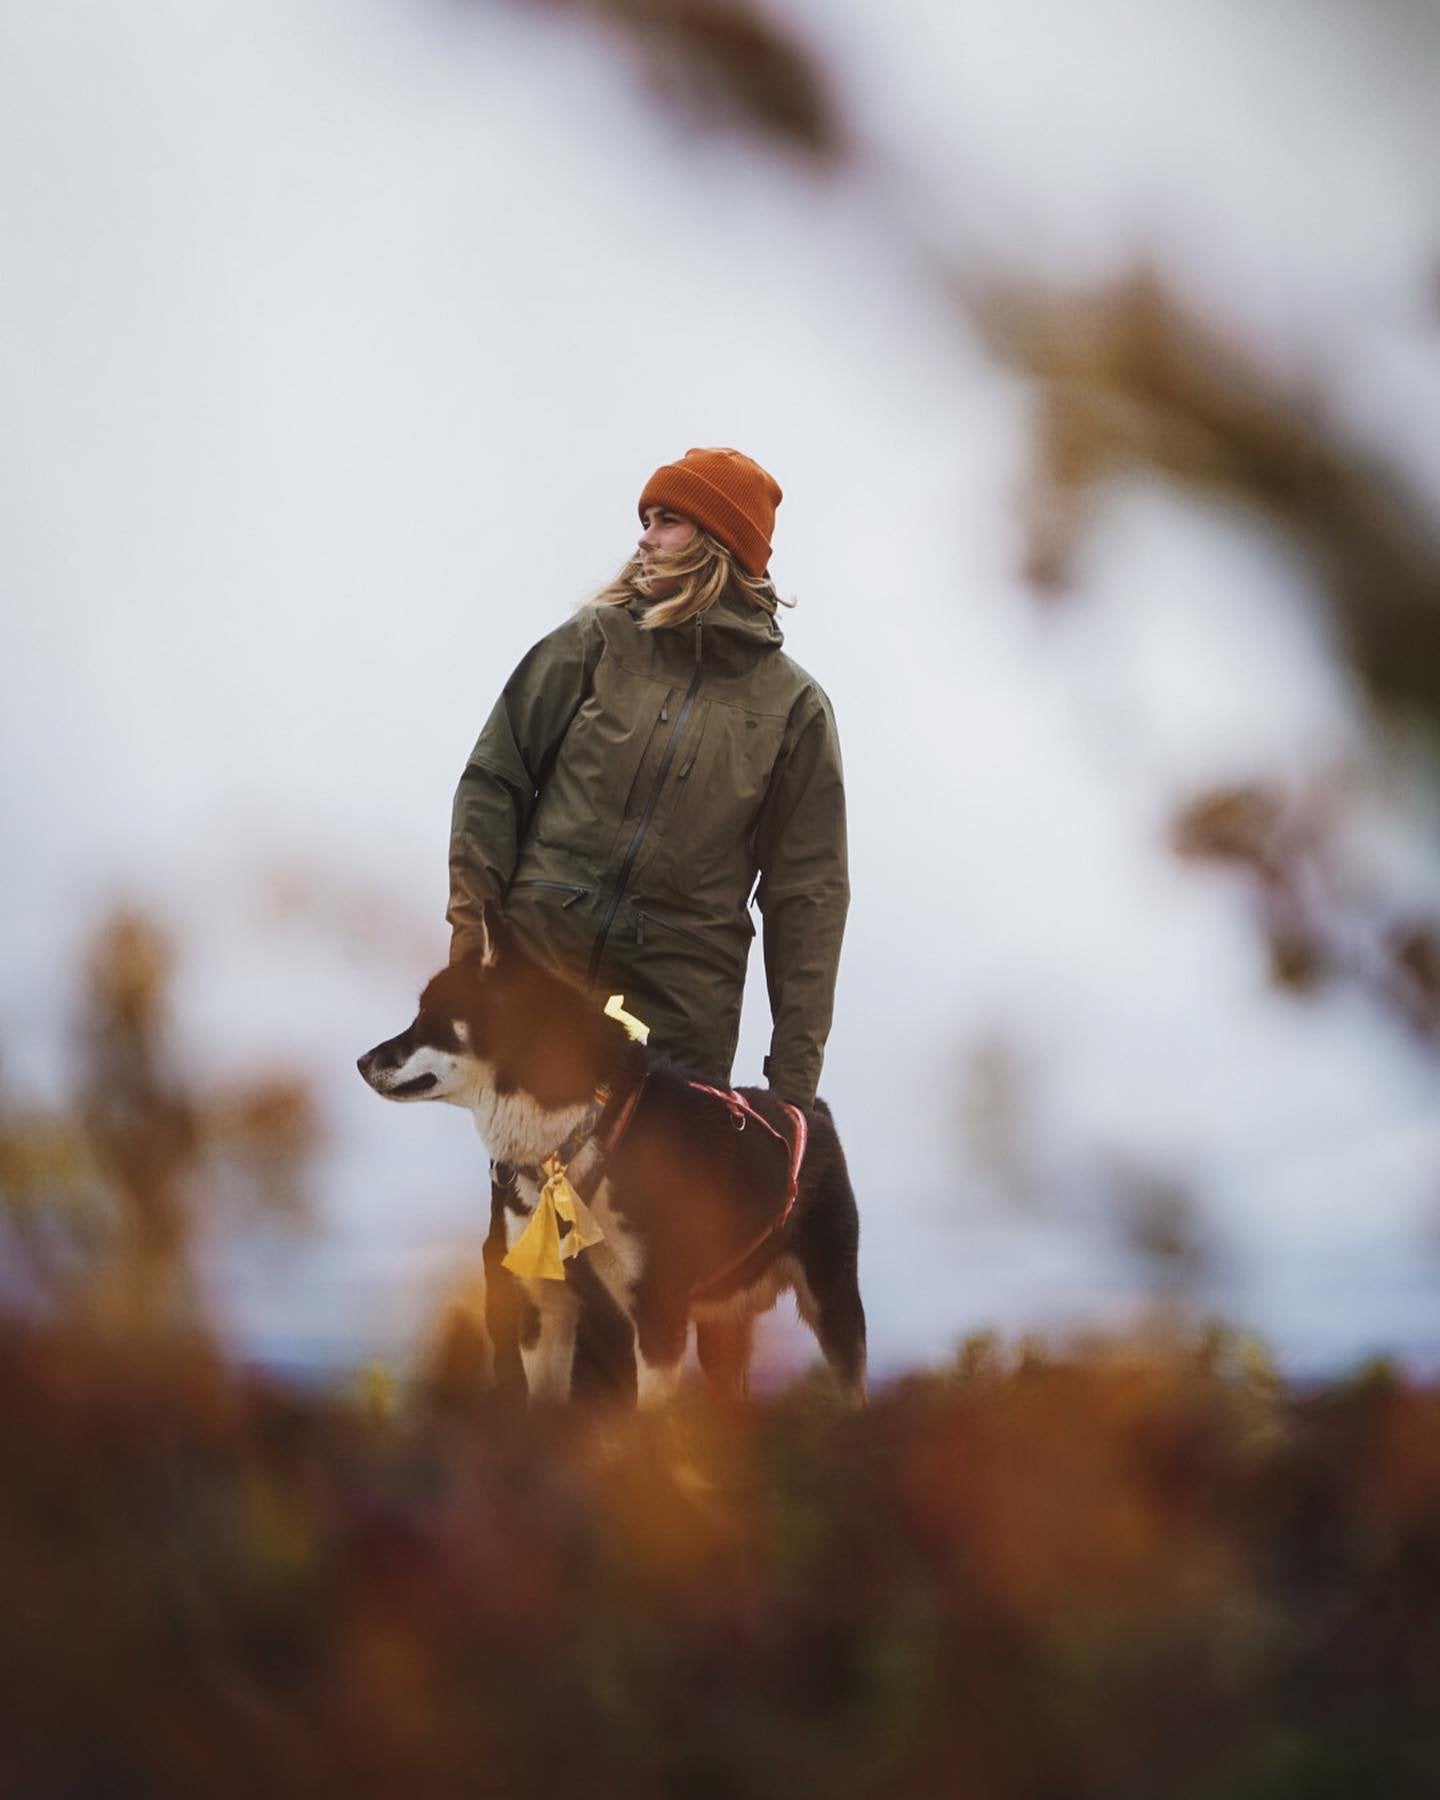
(741, 1112)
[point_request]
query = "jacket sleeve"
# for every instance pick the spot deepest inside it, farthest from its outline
(512, 756)
(804, 893)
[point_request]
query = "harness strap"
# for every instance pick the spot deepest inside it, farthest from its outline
(611, 1141)
(741, 1108)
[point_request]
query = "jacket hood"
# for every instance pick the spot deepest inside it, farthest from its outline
(734, 625)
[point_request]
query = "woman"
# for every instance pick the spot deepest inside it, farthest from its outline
(650, 761)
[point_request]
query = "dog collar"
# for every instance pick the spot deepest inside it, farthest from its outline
(588, 1128)
(585, 1130)
(543, 1248)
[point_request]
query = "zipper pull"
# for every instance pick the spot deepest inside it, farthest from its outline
(699, 628)
(688, 767)
(639, 929)
(665, 713)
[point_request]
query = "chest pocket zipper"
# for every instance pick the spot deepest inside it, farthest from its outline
(568, 888)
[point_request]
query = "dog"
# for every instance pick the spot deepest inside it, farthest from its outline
(693, 1203)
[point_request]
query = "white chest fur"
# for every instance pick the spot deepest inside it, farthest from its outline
(515, 1129)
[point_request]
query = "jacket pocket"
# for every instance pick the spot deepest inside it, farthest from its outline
(645, 920)
(718, 944)
(571, 890)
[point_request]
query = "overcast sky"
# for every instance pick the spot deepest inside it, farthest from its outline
(336, 342)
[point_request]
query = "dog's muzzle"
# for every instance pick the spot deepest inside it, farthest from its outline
(376, 1069)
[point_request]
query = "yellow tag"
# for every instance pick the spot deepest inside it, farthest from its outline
(540, 1253)
(638, 1029)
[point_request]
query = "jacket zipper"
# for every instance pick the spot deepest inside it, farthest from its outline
(627, 866)
(563, 887)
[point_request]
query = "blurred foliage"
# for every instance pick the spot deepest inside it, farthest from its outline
(1129, 379)
(100, 1201)
(728, 64)
(1162, 1224)
(359, 919)
(1138, 1569)
(1132, 1568)
(1318, 928)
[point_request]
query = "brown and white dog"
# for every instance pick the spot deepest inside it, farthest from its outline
(691, 1192)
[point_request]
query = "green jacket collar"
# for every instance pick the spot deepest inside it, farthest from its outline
(735, 629)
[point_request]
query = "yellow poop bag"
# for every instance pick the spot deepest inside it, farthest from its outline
(540, 1253)
(638, 1029)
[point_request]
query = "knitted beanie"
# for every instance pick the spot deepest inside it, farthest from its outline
(726, 494)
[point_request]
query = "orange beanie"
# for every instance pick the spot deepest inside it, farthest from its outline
(727, 495)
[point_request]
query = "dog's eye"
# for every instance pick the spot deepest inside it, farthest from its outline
(438, 1031)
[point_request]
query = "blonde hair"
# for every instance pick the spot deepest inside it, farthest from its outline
(704, 569)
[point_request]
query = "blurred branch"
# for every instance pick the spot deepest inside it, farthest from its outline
(99, 1202)
(1162, 1225)
(1129, 380)
(1316, 931)
(723, 63)
(359, 918)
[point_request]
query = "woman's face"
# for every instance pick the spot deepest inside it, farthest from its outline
(664, 531)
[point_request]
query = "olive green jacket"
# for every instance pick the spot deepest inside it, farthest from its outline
(625, 794)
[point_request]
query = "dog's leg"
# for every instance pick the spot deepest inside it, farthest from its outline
(506, 1308)
(655, 1383)
(724, 1346)
(660, 1331)
(548, 1351)
(604, 1367)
